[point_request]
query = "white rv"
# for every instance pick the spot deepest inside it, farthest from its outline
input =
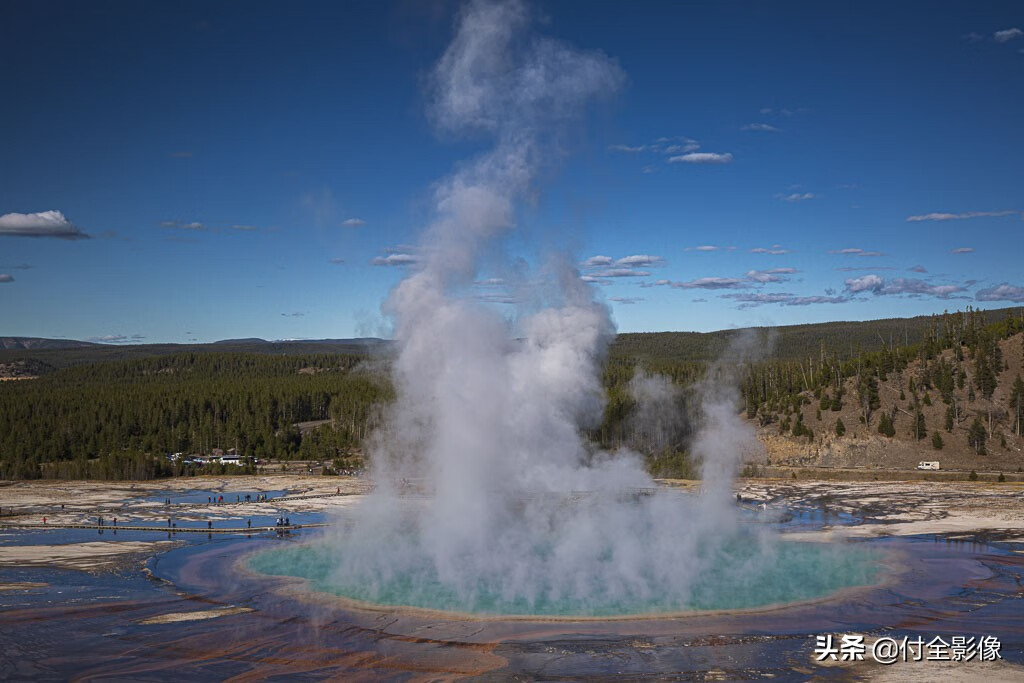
(928, 465)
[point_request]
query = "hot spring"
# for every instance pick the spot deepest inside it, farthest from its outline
(495, 409)
(659, 571)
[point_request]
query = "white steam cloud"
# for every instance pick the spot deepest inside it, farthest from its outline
(489, 411)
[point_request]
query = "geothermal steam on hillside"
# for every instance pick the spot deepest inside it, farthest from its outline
(489, 411)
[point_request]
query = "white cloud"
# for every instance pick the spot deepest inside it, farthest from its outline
(775, 250)
(866, 283)
(958, 216)
(182, 226)
(702, 158)
(598, 261)
(808, 300)
(783, 298)
(42, 224)
(768, 128)
(771, 275)
(681, 148)
(296, 314)
(759, 299)
(395, 260)
(626, 299)
(1002, 292)
(595, 280)
(911, 286)
(919, 269)
(640, 261)
(962, 250)
(703, 247)
(796, 197)
(353, 222)
(708, 283)
(900, 286)
(5, 277)
(337, 261)
(601, 267)
(1007, 35)
(854, 251)
(627, 148)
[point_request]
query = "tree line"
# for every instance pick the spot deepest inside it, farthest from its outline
(119, 419)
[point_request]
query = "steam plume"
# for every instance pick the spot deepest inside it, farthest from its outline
(489, 411)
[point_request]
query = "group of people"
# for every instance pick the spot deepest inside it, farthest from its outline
(219, 499)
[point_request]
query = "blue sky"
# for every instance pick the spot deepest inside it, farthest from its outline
(198, 171)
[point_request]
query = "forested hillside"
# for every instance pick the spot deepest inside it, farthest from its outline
(956, 397)
(892, 389)
(128, 415)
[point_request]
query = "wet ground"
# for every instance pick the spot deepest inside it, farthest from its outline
(187, 612)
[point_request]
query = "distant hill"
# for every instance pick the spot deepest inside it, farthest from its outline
(787, 342)
(53, 354)
(7, 343)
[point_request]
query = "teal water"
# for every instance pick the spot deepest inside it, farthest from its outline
(739, 574)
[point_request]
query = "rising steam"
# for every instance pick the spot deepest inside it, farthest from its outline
(489, 411)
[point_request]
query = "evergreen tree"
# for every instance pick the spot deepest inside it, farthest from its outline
(885, 425)
(976, 436)
(1017, 405)
(920, 431)
(950, 417)
(840, 427)
(937, 442)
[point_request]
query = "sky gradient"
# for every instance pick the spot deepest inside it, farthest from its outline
(199, 171)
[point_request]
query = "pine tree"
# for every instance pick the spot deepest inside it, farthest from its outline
(937, 442)
(885, 426)
(920, 431)
(976, 436)
(840, 427)
(950, 417)
(1017, 404)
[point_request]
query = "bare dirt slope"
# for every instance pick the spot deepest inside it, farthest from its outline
(863, 445)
